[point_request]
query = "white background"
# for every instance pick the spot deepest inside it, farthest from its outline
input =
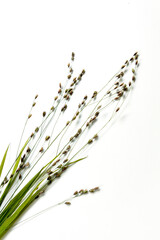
(36, 39)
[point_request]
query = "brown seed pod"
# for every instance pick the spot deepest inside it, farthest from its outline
(68, 148)
(90, 141)
(28, 150)
(116, 98)
(133, 79)
(67, 123)
(79, 130)
(126, 62)
(29, 116)
(95, 136)
(59, 91)
(47, 138)
(75, 193)
(33, 104)
(36, 96)
(56, 97)
(32, 135)
(68, 203)
(44, 114)
(41, 150)
(37, 129)
(73, 118)
(52, 108)
(136, 57)
(117, 109)
(66, 160)
(97, 114)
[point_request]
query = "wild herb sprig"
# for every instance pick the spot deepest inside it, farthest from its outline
(29, 175)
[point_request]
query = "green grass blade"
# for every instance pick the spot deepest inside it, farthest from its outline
(3, 160)
(11, 181)
(14, 203)
(7, 224)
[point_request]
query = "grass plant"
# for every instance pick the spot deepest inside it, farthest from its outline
(59, 141)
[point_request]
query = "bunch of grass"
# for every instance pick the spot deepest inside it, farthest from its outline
(29, 176)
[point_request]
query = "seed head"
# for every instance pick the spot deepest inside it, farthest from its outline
(64, 108)
(122, 74)
(133, 79)
(44, 114)
(94, 94)
(52, 108)
(126, 62)
(117, 109)
(136, 57)
(67, 98)
(36, 96)
(95, 136)
(67, 123)
(28, 150)
(41, 150)
(33, 104)
(97, 114)
(73, 118)
(135, 54)
(83, 72)
(69, 147)
(29, 116)
(75, 193)
(56, 97)
(68, 203)
(37, 129)
(90, 141)
(71, 70)
(47, 138)
(32, 135)
(59, 91)
(66, 160)
(79, 130)
(49, 172)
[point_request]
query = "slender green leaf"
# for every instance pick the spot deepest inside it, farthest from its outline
(14, 203)
(11, 181)
(3, 160)
(7, 224)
